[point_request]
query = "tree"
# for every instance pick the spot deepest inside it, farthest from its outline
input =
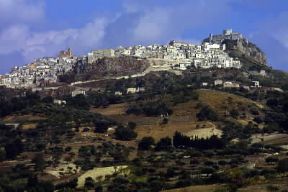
(272, 102)
(78, 102)
(35, 185)
(156, 185)
(13, 149)
(146, 143)
(89, 183)
(234, 113)
(164, 144)
(180, 141)
(125, 134)
(119, 184)
(151, 108)
(171, 172)
(48, 99)
(206, 113)
(101, 126)
(39, 162)
(283, 165)
(2, 154)
(98, 188)
(271, 160)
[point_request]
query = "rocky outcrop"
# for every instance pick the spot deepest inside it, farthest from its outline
(245, 50)
(105, 68)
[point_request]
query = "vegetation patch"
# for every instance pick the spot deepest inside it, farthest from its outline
(98, 174)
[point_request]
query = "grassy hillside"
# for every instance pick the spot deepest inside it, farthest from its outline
(183, 118)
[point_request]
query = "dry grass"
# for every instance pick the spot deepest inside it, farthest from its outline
(22, 118)
(218, 99)
(265, 187)
(183, 118)
(29, 126)
(117, 109)
(198, 188)
(159, 131)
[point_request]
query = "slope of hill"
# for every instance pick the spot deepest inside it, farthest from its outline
(184, 116)
(105, 67)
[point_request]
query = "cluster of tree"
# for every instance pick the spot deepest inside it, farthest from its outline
(146, 143)
(183, 95)
(107, 154)
(78, 102)
(57, 127)
(125, 133)
(232, 130)
(164, 144)
(207, 113)
(283, 165)
(180, 141)
(21, 179)
(95, 99)
(10, 143)
(149, 108)
(101, 126)
(10, 105)
(90, 184)
(124, 184)
(278, 115)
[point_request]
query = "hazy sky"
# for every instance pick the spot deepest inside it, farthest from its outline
(35, 28)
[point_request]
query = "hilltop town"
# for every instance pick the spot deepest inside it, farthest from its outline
(175, 56)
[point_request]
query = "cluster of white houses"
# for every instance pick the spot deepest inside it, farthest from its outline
(42, 71)
(179, 55)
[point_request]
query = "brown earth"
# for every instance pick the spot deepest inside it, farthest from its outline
(183, 118)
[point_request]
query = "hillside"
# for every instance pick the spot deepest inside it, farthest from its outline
(105, 68)
(183, 118)
(173, 133)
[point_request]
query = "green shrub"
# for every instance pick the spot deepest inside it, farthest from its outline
(125, 134)
(146, 143)
(207, 113)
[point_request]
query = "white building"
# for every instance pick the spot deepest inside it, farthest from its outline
(229, 84)
(94, 55)
(59, 102)
(218, 82)
(78, 92)
(118, 93)
(256, 84)
(131, 90)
